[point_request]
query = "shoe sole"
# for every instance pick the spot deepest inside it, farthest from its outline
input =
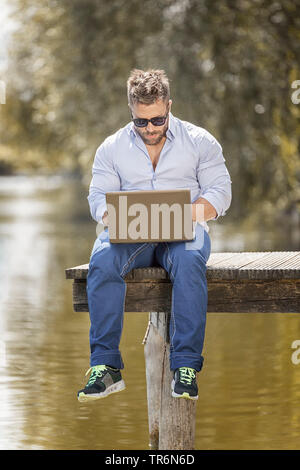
(183, 395)
(114, 388)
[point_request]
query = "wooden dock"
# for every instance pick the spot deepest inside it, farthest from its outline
(237, 282)
(258, 282)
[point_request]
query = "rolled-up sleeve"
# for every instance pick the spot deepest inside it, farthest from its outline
(104, 179)
(213, 176)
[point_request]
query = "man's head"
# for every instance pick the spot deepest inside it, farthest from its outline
(149, 97)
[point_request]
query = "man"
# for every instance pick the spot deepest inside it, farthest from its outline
(154, 151)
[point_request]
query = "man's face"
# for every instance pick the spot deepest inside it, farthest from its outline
(152, 135)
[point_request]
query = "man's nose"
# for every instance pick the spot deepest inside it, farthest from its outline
(150, 127)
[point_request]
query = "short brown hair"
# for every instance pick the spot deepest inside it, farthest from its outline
(147, 86)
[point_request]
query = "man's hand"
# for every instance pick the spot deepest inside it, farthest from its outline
(205, 212)
(105, 218)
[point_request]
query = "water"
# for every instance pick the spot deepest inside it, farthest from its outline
(249, 387)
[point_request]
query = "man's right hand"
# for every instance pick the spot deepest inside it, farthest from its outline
(105, 218)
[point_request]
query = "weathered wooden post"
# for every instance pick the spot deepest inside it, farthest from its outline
(171, 420)
(154, 354)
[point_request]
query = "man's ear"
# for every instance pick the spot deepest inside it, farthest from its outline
(170, 104)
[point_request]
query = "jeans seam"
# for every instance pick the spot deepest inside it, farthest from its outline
(122, 320)
(172, 308)
(170, 262)
(132, 257)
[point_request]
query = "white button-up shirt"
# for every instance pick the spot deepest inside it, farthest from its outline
(190, 158)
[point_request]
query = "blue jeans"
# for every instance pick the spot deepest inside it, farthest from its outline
(185, 263)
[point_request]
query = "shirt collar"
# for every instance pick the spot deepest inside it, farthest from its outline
(171, 131)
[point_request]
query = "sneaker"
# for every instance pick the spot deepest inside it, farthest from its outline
(103, 381)
(184, 384)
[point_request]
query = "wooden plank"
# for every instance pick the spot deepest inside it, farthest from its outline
(270, 261)
(278, 296)
(227, 266)
(260, 266)
(252, 274)
(78, 272)
(140, 297)
(151, 273)
(269, 296)
(291, 263)
(216, 258)
(238, 260)
(277, 265)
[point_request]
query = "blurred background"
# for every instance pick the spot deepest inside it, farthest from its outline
(234, 70)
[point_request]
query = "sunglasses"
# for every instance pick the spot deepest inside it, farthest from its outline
(156, 121)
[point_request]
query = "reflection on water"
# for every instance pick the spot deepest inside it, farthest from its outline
(249, 387)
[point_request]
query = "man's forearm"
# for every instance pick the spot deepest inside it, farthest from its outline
(205, 210)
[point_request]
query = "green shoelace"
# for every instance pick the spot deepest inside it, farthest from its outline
(186, 375)
(97, 371)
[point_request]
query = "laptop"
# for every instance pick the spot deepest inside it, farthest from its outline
(150, 216)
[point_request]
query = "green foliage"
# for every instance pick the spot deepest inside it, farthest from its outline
(231, 66)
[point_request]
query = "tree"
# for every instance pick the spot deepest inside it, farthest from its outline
(231, 67)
